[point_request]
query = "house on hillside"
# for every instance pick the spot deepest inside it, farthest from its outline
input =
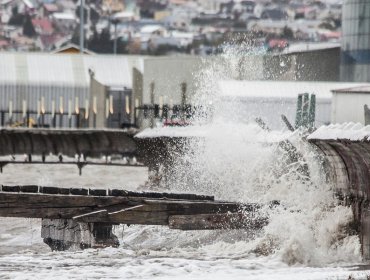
(43, 26)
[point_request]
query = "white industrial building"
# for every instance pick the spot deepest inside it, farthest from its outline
(58, 82)
(62, 82)
(349, 102)
(271, 99)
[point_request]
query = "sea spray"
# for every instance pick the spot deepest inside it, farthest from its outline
(237, 160)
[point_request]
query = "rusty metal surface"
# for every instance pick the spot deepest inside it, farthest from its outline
(336, 170)
(348, 165)
(68, 142)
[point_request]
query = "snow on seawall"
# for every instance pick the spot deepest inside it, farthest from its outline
(346, 131)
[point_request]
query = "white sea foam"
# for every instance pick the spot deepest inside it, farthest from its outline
(239, 161)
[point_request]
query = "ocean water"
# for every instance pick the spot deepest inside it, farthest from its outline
(307, 244)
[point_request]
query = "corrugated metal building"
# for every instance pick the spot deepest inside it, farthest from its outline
(349, 103)
(37, 77)
(270, 99)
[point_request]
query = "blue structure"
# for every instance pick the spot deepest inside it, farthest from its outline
(355, 55)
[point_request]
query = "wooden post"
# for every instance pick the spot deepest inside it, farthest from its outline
(183, 101)
(287, 123)
(152, 103)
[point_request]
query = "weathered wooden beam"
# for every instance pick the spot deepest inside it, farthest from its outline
(129, 208)
(217, 221)
(103, 192)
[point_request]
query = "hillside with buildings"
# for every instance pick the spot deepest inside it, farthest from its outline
(157, 27)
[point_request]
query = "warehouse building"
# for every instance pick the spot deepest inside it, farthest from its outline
(57, 86)
(351, 104)
(70, 90)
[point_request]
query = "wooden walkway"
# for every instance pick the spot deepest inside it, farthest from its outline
(117, 206)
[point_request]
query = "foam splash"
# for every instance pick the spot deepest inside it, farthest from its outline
(239, 161)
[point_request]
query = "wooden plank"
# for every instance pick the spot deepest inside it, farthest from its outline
(37, 200)
(133, 218)
(123, 209)
(127, 207)
(216, 221)
(27, 200)
(109, 192)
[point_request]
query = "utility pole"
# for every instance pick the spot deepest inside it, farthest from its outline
(82, 35)
(115, 21)
(152, 99)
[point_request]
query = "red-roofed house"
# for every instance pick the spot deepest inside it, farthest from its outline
(48, 42)
(43, 26)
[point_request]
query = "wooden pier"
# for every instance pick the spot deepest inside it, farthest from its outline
(84, 217)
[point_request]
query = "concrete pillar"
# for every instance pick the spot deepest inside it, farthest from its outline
(64, 234)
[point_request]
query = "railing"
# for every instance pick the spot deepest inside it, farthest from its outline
(45, 120)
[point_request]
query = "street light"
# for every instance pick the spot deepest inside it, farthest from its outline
(115, 21)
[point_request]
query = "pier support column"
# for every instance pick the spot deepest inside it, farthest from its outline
(63, 234)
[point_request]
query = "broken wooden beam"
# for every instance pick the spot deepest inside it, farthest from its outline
(217, 221)
(109, 206)
(83, 218)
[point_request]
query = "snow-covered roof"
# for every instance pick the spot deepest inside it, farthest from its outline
(361, 89)
(185, 35)
(64, 16)
(66, 69)
(72, 46)
(124, 15)
(278, 89)
(151, 28)
(168, 131)
(346, 131)
(306, 47)
(248, 132)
